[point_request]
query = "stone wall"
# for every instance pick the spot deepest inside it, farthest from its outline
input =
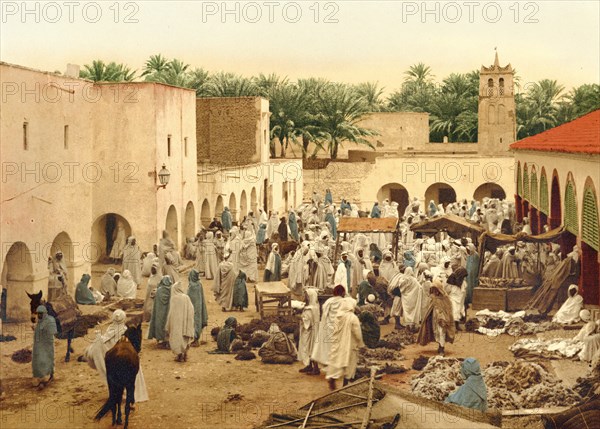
(228, 130)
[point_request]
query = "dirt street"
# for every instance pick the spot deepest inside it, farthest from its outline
(208, 391)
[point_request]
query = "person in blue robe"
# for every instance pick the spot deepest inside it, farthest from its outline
(262, 233)
(42, 362)
(160, 310)
(473, 209)
(273, 266)
(83, 294)
(196, 294)
(293, 223)
(328, 197)
(226, 219)
(409, 259)
(473, 393)
(240, 292)
(374, 253)
(376, 211)
(331, 219)
(432, 209)
(472, 272)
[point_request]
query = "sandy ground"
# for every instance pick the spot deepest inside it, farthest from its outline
(208, 391)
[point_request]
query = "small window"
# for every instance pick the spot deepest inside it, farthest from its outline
(501, 84)
(66, 137)
(25, 136)
(490, 86)
(169, 145)
(185, 146)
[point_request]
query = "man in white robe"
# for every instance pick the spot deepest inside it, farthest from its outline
(180, 322)
(211, 264)
(95, 353)
(248, 256)
(327, 325)
(388, 267)
(346, 341)
(412, 298)
(568, 313)
(126, 286)
(131, 257)
(341, 273)
(223, 284)
(309, 328)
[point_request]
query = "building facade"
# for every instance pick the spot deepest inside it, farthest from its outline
(558, 174)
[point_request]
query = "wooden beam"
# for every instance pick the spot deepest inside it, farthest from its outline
(307, 414)
(367, 415)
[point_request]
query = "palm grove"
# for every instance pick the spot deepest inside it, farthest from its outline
(327, 114)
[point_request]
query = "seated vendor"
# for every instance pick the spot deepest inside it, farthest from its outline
(569, 312)
(473, 393)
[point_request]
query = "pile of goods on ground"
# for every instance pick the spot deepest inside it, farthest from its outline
(555, 348)
(494, 323)
(501, 283)
(388, 349)
(509, 385)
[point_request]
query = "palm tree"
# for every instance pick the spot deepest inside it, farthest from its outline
(420, 74)
(265, 84)
(155, 64)
(99, 71)
(198, 79)
(372, 94)
(231, 85)
(538, 111)
(339, 111)
(175, 73)
(578, 102)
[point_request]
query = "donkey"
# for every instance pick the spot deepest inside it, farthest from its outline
(64, 310)
(122, 366)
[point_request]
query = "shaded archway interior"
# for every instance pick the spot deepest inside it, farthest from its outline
(394, 192)
(104, 232)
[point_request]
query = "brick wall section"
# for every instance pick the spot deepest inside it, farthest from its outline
(343, 178)
(227, 130)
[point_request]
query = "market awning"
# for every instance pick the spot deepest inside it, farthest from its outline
(365, 224)
(455, 226)
(491, 241)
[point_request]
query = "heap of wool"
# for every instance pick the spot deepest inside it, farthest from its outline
(258, 338)
(509, 385)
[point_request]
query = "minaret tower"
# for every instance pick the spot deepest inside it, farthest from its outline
(497, 112)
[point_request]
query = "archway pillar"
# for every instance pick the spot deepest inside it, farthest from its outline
(519, 207)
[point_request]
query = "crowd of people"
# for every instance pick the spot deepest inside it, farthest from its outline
(422, 283)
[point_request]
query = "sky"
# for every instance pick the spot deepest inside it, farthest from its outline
(347, 41)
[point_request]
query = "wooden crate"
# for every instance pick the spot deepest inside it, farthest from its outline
(492, 299)
(517, 298)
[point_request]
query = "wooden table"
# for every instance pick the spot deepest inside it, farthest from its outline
(270, 293)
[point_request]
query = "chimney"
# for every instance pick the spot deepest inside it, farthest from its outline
(72, 70)
(445, 139)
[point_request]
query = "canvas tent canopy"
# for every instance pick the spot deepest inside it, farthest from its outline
(455, 226)
(491, 241)
(358, 225)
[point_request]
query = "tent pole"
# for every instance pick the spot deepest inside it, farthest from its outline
(337, 243)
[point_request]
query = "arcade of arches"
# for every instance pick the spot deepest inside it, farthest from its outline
(562, 205)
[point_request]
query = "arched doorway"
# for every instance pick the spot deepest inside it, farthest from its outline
(16, 279)
(233, 207)
(590, 245)
(105, 230)
(555, 203)
(394, 192)
(489, 190)
(253, 201)
(440, 193)
(189, 226)
(62, 242)
(243, 205)
(171, 225)
(205, 218)
(219, 207)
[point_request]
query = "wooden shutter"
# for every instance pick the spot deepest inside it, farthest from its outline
(525, 185)
(519, 182)
(534, 189)
(571, 223)
(589, 227)
(544, 195)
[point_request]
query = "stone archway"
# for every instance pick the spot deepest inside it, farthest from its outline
(489, 190)
(171, 225)
(62, 242)
(253, 201)
(219, 207)
(394, 192)
(555, 203)
(440, 193)
(189, 226)
(105, 230)
(205, 217)
(233, 207)
(243, 205)
(16, 279)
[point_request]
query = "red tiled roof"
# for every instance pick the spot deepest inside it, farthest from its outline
(581, 135)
